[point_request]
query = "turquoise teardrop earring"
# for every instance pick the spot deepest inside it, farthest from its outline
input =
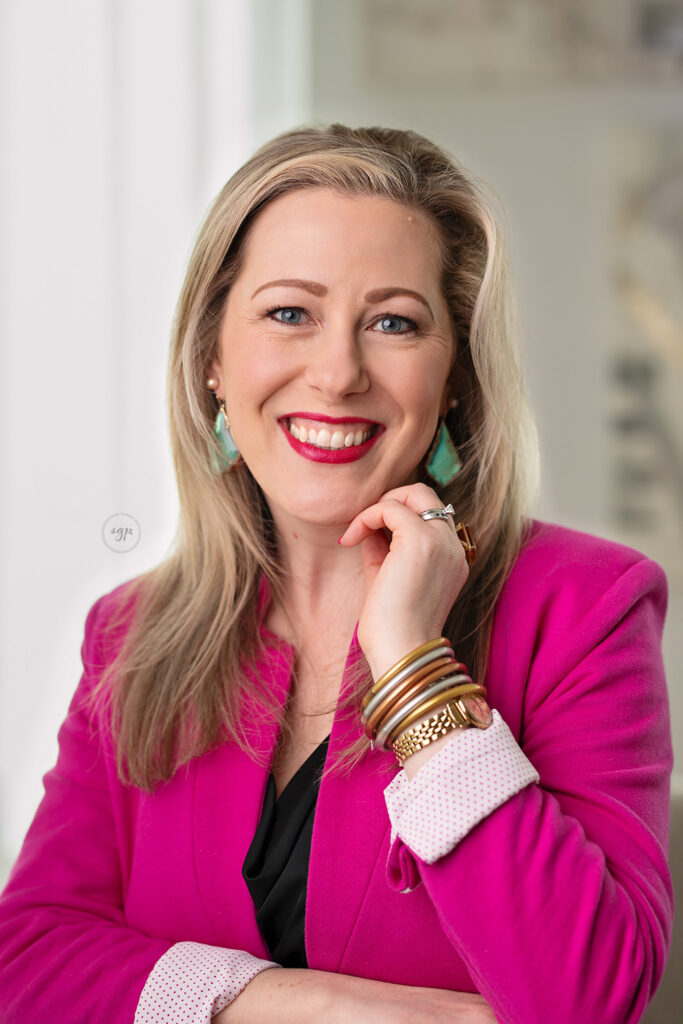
(443, 463)
(228, 455)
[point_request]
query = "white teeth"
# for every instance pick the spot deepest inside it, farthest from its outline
(324, 438)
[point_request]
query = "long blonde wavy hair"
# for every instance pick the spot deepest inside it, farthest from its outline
(177, 683)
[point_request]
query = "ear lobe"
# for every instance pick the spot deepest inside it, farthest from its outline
(447, 404)
(213, 370)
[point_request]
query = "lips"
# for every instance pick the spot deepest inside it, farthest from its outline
(332, 439)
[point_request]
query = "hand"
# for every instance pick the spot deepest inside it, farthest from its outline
(279, 996)
(412, 580)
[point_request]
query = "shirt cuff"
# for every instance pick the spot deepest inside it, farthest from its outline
(472, 775)
(192, 982)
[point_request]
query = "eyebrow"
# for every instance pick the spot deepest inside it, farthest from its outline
(376, 295)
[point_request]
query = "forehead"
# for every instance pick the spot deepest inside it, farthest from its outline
(314, 224)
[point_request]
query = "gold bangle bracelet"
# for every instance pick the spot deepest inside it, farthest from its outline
(390, 723)
(462, 690)
(371, 700)
(440, 641)
(407, 689)
(384, 740)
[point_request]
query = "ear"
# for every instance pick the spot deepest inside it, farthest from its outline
(447, 401)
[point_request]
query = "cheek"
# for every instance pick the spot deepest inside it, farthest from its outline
(251, 386)
(425, 399)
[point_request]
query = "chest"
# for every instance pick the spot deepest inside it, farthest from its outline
(309, 717)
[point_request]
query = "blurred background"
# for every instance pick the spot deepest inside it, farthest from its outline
(121, 119)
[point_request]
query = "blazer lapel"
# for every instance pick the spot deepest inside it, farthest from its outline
(228, 799)
(349, 831)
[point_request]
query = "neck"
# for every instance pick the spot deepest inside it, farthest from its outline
(324, 582)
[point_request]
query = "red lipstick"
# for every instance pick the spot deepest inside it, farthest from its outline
(334, 456)
(330, 419)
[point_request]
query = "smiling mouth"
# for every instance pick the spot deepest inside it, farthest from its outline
(330, 436)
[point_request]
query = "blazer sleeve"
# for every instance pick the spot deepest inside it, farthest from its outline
(66, 952)
(560, 900)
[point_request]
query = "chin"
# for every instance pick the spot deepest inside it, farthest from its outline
(330, 514)
(325, 506)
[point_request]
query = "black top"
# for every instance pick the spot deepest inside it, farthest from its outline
(276, 865)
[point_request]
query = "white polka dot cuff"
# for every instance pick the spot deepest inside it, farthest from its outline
(472, 775)
(192, 982)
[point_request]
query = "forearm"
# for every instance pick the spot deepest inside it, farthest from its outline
(280, 996)
(276, 996)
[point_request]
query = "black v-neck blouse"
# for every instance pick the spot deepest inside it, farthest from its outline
(276, 865)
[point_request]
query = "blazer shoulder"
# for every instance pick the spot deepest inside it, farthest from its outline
(560, 549)
(108, 620)
(556, 561)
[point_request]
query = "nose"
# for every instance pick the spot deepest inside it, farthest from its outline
(336, 367)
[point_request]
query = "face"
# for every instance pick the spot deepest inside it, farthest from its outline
(334, 352)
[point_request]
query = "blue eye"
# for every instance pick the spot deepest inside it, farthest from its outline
(393, 324)
(288, 314)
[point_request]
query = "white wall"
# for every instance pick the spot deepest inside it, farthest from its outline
(120, 122)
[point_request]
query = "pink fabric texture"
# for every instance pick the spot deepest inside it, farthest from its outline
(563, 888)
(192, 982)
(475, 772)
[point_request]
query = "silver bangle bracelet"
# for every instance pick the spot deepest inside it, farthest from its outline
(414, 666)
(391, 723)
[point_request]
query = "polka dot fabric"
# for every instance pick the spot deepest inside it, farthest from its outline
(477, 771)
(192, 982)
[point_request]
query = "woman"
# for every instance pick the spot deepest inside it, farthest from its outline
(342, 372)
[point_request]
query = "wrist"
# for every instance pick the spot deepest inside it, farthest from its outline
(258, 999)
(416, 760)
(381, 657)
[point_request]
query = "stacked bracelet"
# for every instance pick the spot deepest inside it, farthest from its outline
(425, 679)
(455, 715)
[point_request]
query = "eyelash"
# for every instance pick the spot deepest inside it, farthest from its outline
(412, 326)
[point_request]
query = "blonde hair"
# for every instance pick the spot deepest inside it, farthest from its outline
(178, 683)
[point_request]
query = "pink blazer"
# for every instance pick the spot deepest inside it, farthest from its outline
(557, 907)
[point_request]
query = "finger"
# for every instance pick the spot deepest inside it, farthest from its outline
(418, 497)
(390, 515)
